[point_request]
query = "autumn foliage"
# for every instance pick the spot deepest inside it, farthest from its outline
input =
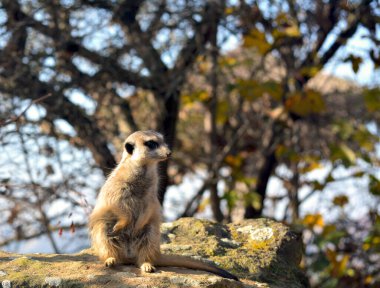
(242, 90)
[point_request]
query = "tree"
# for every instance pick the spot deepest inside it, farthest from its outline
(77, 77)
(92, 58)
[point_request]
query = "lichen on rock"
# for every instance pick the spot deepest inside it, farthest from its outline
(261, 252)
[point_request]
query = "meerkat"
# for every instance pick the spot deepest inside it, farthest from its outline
(125, 223)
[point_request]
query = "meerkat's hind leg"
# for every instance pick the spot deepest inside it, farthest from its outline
(148, 250)
(110, 262)
(147, 267)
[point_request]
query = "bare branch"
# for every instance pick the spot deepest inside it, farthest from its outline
(17, 118)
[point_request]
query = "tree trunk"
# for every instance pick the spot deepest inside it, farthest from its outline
(168, 129)
(270, 163)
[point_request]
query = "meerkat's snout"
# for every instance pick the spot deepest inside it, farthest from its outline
(164, 152)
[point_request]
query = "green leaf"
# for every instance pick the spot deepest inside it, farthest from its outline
(320, 264)
(231, 197)
(343, 152)
(222, 112)
(310, 71)
(252, 89)
(254, 199)
(374, 185)
(306, 103)
(344, 129)
(372, 99)
(348, 153)
(197, 96)
(365, 139)
(291, 31)
(257, 39)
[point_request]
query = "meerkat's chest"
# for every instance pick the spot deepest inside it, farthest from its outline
(135, 189)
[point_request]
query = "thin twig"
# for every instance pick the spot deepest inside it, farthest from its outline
(17, 118)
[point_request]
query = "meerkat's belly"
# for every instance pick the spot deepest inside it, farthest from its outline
(130, 241)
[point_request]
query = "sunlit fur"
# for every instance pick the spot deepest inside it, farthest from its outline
(127, 206)
(125, 223)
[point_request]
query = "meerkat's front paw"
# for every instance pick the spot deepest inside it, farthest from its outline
(147, 267)
(110, 262)
(113, 234)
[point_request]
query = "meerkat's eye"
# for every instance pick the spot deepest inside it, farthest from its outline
(151, 144)
(129, 147)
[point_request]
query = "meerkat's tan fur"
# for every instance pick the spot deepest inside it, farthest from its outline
(125, 223)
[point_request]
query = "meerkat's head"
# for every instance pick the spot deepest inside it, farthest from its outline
(145, 147)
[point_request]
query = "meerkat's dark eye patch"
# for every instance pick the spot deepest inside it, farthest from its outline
(129, 148)
(151, 144)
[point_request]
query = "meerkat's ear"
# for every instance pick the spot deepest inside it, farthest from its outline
(129, 148)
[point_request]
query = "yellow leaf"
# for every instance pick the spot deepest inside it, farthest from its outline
(234, 161)
(310, 165)
(368, 280)
(365, 139)
(366, 246)
(202, 206)
(252, 89)
(340, 200)
(248, 89)
(227, 61)
(331, 255)
(222, 112)
(256, 39)
(376, 240)
(229, 10)
(350, 272)
(304, 104)
(310, 71)
(348, 153)
(372, 99)
(313, 220)
(197, 96)
(328, 229)
(274, 89)
(254, 199)
(204, 67)
(292, 31)
(204, 96)
(339, 267)
(281, 18)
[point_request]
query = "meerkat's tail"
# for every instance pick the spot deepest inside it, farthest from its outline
(187, 262)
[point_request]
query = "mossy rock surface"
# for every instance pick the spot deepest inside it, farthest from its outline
(262, 253)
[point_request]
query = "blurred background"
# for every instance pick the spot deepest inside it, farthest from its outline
(272, 109)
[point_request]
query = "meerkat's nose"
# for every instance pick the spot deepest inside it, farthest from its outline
(168, 154)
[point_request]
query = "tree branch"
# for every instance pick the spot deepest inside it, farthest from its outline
(17, 118)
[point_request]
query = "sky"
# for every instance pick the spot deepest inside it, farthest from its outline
(358, 46)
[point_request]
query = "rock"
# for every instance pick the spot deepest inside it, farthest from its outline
(261, 252)
(6, 284)
(53, 281)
